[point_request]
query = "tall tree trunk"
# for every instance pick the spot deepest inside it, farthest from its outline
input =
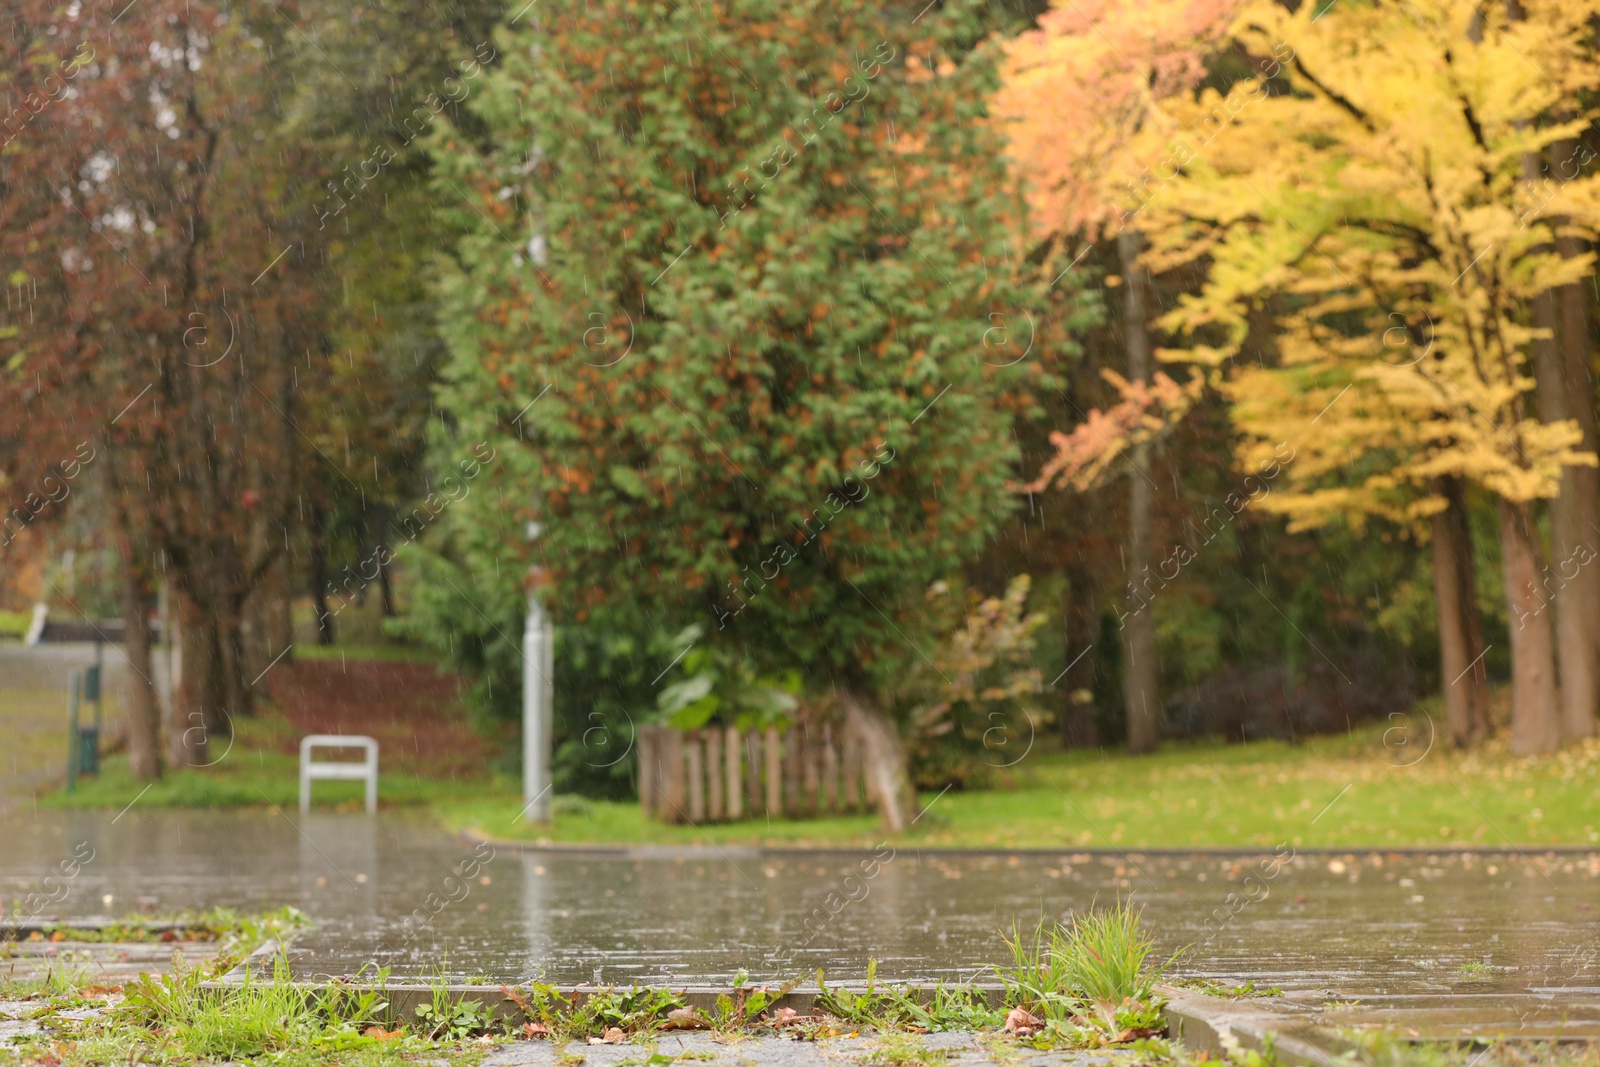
(382, 519)
(1580, 487)
(386, 588)
(1139, 693)
(319, 577)
(266, 627)
(888, 778)
(144, 717)
(276, 593)
(1580, 668)
(1535, 716)
(201, 725)
(1464, 677)
(1575, 640)
(1078, 726)
(236, 684)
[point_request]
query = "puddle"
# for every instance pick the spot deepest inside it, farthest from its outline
(1445, 940)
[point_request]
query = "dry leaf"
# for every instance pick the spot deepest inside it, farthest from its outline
(1022, 1022)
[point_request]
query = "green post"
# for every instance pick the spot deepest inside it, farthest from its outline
(89, 736)
(99, 674)
(72, 737)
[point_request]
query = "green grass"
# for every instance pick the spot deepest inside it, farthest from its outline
(1343, 791)
(1099, 956)
(253, 778)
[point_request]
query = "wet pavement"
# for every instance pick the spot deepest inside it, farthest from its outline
(1439, 942)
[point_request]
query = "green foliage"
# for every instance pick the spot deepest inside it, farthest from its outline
(591, 1014)
(474, 613)
(946, 1007)
(476, 623)
(257, 1018)
(719, 686)
(446, 1020)
(1213, 988)
(975, 701)
(746, 1004)
(904, 1050)
(738, 373)
(1100, 957)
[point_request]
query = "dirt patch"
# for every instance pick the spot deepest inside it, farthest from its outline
(414, 710)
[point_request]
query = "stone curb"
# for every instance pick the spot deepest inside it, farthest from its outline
(645, 850)
(1194, 1019)
(1208, 1023)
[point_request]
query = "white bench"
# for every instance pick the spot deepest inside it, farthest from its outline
(366, 770)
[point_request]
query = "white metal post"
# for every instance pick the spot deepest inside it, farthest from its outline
(538, 712)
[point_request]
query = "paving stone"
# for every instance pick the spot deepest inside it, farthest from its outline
(961, 1050)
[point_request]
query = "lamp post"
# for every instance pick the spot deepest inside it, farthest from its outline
(538, 706)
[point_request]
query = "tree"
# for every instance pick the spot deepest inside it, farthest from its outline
(167, 207)
(1079, 95)
(732, 302)
(151, 209)
(1371, 215)
(361, 102)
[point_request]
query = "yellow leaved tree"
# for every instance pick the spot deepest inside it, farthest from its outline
(1371, 224)
(1079, 99)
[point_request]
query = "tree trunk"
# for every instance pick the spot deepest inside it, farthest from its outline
(888, 779)
(386, 588)
(1464, 678)
(201, 726)
(1580, 486)
(276, 594)
(1535, 717)
(319, 578)
(1139, 693)
(144, 718)
(1078, 726)
(383, 519)
(236, 684)
(1574, 637)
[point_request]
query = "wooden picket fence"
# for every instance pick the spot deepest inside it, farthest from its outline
(721, 774)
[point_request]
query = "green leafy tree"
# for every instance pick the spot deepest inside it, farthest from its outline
(738, 299)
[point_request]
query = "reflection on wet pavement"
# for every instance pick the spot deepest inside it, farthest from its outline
(1446, 938)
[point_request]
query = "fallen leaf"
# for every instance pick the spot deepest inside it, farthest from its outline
(613, 1036)
(1022, 1022)
(1134, 1034)
(685, 1019)
(378, 1033)
(532, 1030)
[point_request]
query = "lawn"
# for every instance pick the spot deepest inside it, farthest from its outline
(1330, 792)
(1344, 791)
(427, 751)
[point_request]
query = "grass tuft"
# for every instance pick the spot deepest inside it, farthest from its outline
(1102, 956)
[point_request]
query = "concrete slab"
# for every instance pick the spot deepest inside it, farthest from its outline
(944, 1050)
